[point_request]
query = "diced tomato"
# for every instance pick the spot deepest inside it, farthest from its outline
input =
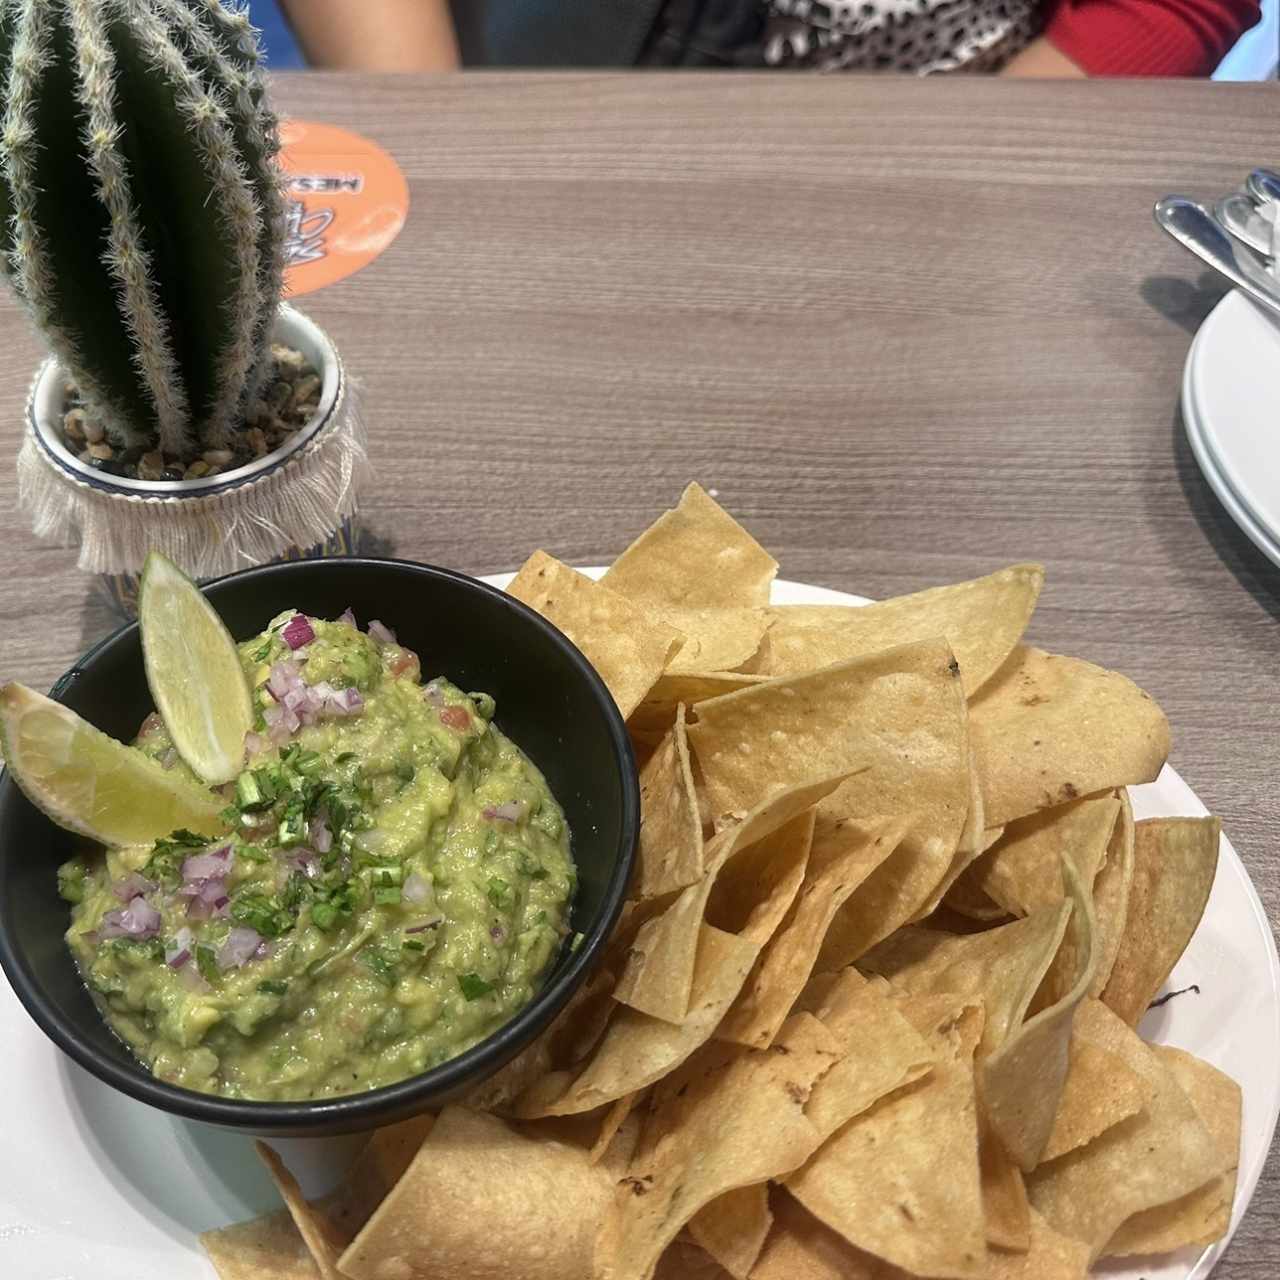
(456, 718)
(405, 660)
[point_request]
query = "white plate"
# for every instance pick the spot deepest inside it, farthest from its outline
(1231, 407)
(95, 1186)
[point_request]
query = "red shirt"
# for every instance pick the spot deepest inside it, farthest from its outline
(1148, 37)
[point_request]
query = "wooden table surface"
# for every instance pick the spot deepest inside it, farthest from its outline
(908, 331)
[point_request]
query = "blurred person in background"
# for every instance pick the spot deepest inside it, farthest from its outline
(1029, 38)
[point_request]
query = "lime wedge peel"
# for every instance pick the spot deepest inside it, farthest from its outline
(193, 671)
(88, 782)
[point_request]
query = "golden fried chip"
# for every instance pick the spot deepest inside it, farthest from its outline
(883, 1052)
(715, 639)
(1050, 1256)
(799, 1247)
(739, 1123)
(378, 1167)
(615, 1117)
(982, 621)
(967, 898)
(1023, 1078)
(841, 860)
(901, 1180)
(1111, 893)
(1006, 1212)
(265, 1248)
(696, 555)
(657, 713)
(1202, 1216)
(1174, 862)
(755, 891)
(733, 1228)
(627, 646)
(322, 1239)
(951, 1023)
(1049, 729)
(670, 853)
(1100, 1091)
(1157, 1156)
(1003, 966)
(969, 846)
(481, 1199)
(896, 716)
(658, 976)
(1023, 870)
(636, 1049)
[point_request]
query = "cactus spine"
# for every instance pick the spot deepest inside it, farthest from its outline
(140, 208)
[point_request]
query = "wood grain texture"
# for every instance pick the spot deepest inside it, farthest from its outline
(909, 331)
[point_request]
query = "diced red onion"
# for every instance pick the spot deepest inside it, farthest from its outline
(132, 886)
(254, 743)
(349, 618)
(511, 811)
(298, 631)
(138, 920)
(283, 676)
(421, 926)
(207, 866)
(415, 888)
(192, 979)
(434, 694)
(183, 944)
(321, 836)
(304, 860)
(169, 759)
(208, 898)
(498, 933)
(265, 950)
(239, 947)
(346, 702)
(383, 635)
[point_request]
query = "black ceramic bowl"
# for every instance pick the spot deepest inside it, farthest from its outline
(550, 702)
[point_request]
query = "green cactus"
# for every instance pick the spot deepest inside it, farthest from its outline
(141, 217)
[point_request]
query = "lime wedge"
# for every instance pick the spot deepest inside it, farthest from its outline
(90, 783)
(194, 672)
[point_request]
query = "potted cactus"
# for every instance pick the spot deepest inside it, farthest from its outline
(141, 224)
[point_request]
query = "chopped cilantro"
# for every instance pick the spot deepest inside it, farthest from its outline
(207, 963)
(273, 987)
(499, 892)
(380, 965)
(264, 914)
(71, 877)
(405, 771)
(386, 897)
(412, 944)
(344, 757)
(473, 986)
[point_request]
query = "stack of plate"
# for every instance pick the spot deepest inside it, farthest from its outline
(1231, 409)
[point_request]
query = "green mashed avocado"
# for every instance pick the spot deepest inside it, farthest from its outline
(396, 885)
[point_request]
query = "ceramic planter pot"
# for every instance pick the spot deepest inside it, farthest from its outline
(299, 501)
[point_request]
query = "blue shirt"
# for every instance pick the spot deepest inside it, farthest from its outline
(278, 42)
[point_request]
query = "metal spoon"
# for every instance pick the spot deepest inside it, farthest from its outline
(1263, 185)
(1239, 216)
(1194, 228)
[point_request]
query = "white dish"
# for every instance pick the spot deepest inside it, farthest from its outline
(95, 1186)
(1231, 407)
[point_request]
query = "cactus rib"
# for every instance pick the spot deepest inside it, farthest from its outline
(126, 258)
(59, 226)
(231, 61)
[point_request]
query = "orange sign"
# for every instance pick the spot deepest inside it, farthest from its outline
(346, 202)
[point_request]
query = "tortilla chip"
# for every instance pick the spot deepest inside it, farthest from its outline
(658, 977)
(897, 715)
(1157, 1156)
(900, 1181)
(696, 555)
(657, 713)
(967, 898)
(1050, 1256)
(1049, 729)
(670, 852)
(982, 621)
(1002, 966)
(615, 1117)
(951, 1023)
(1111, 893)
(1204, 1215)
(379, 1166)
(754, 893)
(740, 1123)
(628, 647)
(733, 1228)
(968, 848)
(491, 1202)
(685, 1260)
(1174, 862)
(322, 1240)
(1023, 1078)
(715, 639)
(265, 1248)
(1100, 1091)
(1006, 1212)
(841, 859)
(636, 1049)
(883, 1052)
(1024, 869)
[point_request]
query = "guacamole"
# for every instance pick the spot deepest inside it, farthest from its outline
(394, 885)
